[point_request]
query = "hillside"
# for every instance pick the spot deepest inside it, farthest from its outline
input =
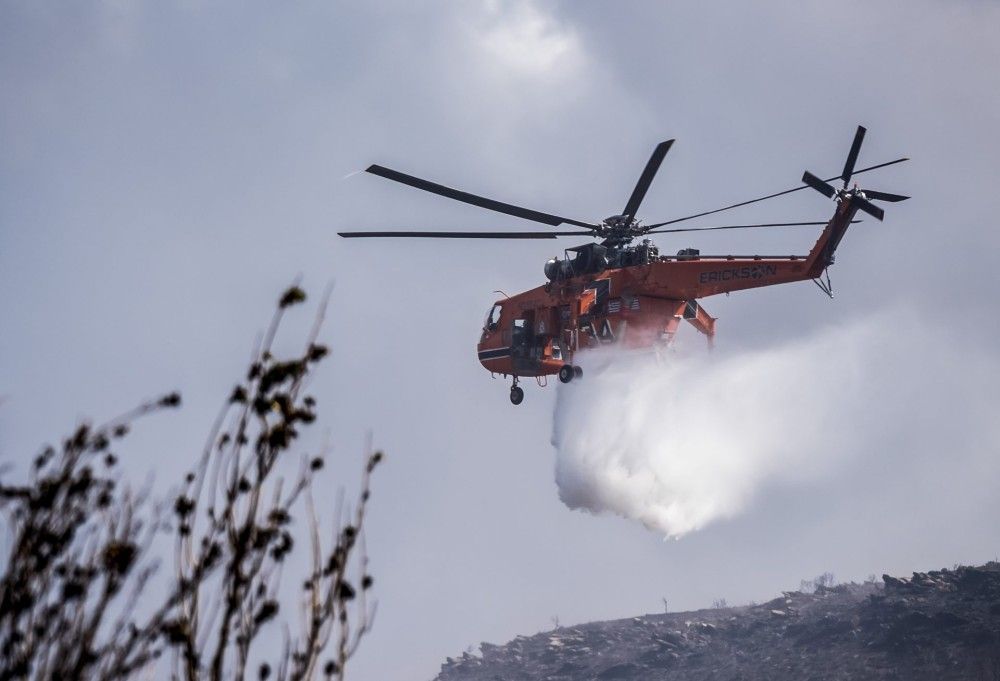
(938, 625)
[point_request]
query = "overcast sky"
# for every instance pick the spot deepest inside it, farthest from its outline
(167, 168)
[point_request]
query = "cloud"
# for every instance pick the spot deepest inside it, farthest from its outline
(521, 38)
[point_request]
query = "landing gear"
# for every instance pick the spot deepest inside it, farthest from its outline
(516, 393)
(568, 372)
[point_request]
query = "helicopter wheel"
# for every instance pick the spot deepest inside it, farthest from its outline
(577, 372)
(516, 395)
(566, 373)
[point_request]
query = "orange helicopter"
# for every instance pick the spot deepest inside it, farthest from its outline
(614, 292)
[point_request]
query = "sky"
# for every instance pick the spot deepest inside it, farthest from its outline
(167, 168)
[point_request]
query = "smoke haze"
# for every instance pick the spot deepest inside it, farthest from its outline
(681, 441)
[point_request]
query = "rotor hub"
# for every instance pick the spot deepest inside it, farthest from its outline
(620, 228)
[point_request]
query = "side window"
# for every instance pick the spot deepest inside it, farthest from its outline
(493, 317)
(520, 332)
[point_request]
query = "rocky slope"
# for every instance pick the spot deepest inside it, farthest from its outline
(938, 625)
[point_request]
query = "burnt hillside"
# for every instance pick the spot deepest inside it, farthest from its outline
(938, 625)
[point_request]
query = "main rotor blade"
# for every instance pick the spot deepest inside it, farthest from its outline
(642, 186)
(868, 207)
(466, 197)
(852, 157)
(818, 184)
(884, 196)
(461, 235)
(769, 196)
(876, 167)
(763, 224)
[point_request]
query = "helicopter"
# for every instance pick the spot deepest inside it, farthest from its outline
(611, 291)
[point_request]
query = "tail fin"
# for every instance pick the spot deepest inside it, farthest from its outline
(849, 202)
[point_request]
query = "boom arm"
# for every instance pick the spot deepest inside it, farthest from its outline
(691, 277)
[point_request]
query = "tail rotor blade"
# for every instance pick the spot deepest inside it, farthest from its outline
(818, 184)
(852, 157)
(642, 186)
(884, 196)
(868, 207)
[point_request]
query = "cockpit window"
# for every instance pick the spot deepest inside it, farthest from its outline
(493, 318)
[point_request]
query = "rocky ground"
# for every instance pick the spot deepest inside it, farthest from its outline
(937, 625)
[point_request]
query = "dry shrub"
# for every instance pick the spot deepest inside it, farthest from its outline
(76, 583)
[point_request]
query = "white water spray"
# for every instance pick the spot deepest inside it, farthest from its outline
(681, 442)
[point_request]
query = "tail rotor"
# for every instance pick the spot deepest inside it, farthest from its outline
(861, 199)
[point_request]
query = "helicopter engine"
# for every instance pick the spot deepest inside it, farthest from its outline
(556, 269)
(589, 259)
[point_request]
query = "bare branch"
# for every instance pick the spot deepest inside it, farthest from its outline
(81, 549)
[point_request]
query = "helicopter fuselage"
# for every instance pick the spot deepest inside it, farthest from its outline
(613, 292)
(537, 332)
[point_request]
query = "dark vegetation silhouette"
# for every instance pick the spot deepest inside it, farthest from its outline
(82, 595)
